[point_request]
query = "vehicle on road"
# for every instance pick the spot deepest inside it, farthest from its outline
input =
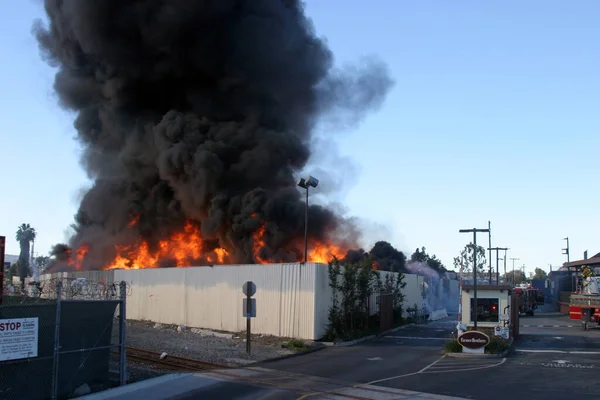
(585, 305)
(527, 299)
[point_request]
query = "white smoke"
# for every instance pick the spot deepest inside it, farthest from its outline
(436, 289)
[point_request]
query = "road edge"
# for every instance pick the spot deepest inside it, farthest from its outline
(285, 357)
(364, 339)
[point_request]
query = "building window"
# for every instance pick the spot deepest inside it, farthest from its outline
(487, 310)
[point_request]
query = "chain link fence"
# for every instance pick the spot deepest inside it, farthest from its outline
(62, 337)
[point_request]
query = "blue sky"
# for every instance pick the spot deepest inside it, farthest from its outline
(494, 116)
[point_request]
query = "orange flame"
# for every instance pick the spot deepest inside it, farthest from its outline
(80, 255)
(259, 243)
(324, 253)
(320, 252)
(134, 221)
(183, 248)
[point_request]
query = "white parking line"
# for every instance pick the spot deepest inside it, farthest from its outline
(557, 351)
(540, 351)
(442, 369)
(467, 369)
(412, 373)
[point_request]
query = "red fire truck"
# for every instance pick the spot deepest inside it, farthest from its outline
(585, 304)
(527, 299)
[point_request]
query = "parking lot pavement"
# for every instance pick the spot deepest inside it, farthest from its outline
(542, 376)
(554, 363)
(550, 362)
(252, 383)
(404, 351)
(365, 362)
(558, 342)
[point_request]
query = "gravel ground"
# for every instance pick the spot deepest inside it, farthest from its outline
(204, 345)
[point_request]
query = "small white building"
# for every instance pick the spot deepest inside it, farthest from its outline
(493, 305)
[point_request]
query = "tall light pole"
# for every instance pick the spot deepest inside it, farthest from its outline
(513, 274)
(474, 231)
(490, 248)
(305, 184)
(566, 251)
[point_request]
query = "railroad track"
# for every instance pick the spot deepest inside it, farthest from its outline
(170, 362)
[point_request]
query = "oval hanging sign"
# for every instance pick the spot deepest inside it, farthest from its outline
(473, 340)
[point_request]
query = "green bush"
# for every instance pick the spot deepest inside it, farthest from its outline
(452, 346)
(497, 345)
(295, 345)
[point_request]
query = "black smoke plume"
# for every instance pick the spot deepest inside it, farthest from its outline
(383, 254)
(199, 112)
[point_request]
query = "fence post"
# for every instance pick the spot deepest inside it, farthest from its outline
(56, 353)
(122, 335)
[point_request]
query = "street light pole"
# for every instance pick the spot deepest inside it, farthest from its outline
(305, 184)
(474, 231)
(490, 248)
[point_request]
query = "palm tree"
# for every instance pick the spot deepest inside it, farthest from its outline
(25, 235)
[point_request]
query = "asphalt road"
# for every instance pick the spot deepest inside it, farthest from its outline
(552, 362)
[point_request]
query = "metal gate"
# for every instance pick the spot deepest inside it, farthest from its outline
(386, 311)
(514, 315)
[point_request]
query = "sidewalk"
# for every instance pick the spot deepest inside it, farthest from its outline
(253, 383)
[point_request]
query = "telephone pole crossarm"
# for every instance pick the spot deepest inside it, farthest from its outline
(497, 249)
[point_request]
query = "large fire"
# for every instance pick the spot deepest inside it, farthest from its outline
(184, 248)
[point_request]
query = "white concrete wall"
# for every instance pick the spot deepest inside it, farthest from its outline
(211, 297)
(293, 300)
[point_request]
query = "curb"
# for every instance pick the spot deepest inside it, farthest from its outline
(300, 353)
(470, 355)
(364, 339)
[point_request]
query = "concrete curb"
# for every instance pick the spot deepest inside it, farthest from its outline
(300, 353)
(470, 355)
(364, 339)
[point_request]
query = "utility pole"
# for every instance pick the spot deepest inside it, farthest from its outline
(513, 274)
(474, 309)
(490, 248)
(498, 260)
(505, 250)
(524, 276)
(566, 251)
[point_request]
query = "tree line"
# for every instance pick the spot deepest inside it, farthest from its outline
(465, 260)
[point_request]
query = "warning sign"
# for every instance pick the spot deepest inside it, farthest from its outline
(18, 338)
